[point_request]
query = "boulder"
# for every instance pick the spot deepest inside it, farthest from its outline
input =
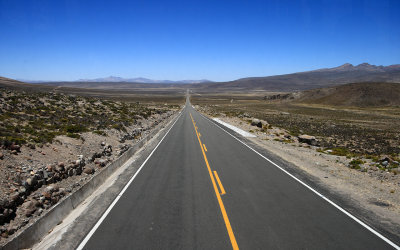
(60, 167)
(102, 162)
(30, 207)
(310, 140)
(51, 188)
(88, 170)
(11, 229)
(31, 181)
(78, 170)
(256, 122)
(96, 155)
(15, 147)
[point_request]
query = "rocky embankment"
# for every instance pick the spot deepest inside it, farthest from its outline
(78, 137)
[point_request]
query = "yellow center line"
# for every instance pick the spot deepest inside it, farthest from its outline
(219, 183)
(221, 204)
(204, 147)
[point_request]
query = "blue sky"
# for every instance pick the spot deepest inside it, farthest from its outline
(217, 40)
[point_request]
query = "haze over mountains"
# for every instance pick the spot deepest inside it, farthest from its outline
(120, 79)
(320, 78)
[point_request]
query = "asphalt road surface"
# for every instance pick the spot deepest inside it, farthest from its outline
(203, 189)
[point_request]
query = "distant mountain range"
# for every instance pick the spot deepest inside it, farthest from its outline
(346, 73)
(361, 67)
(133, 80)
(320, 78)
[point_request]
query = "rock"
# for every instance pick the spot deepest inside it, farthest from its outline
(123, 148)
(385, 163)
(96, 155)
(52, 188)
(45, 174)
(102, 162)
(1, 156)
(103, 143)
(107, 150)
(7, 212)
(31, 181)
(88, 170)
(22, 191)
(60, 167)
(78, 170)
(2, 219)
(310, 140)
(14, 152)
(30, 207)
(49, 168)
(15, 147)
(40, 174)
(256, 122)
(46, 194)
(11, 229)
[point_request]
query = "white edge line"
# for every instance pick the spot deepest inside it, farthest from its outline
(313, 190)
(236, 129)
(89, 235)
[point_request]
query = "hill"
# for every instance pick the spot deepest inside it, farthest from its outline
(354, 94)
(7, 82)
(346, 73)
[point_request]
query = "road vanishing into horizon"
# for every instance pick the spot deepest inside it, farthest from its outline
(204, 189)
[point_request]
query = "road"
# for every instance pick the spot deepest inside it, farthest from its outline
(203, 189)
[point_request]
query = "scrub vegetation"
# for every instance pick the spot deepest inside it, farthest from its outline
(37, 118)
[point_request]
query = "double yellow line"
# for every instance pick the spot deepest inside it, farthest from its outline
(217, 193)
